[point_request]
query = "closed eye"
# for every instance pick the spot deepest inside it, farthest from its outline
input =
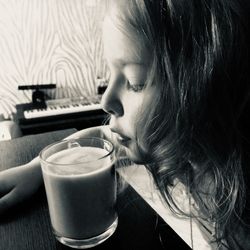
(134, 87)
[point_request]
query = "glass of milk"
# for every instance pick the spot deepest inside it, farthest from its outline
(80, 182)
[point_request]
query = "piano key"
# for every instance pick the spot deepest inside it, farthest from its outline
(61, 110)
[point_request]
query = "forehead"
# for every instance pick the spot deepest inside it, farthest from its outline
(122, 43)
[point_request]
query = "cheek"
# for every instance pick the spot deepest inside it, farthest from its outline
(132, 113)
(144, 118)
(136, 107)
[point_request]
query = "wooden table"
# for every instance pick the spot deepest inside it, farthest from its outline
(27, 226)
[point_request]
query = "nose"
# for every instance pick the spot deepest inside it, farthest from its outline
(111, 99)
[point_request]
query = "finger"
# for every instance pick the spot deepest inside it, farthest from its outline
(4, 187)
(7, 201)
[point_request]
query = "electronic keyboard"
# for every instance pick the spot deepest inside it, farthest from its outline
(56, 110)
(63, 107)
(44, 114)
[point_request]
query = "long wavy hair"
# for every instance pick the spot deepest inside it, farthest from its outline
(196, 130)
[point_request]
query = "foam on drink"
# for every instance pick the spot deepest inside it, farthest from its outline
(81, 159)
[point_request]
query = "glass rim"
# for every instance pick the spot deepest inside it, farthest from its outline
(75, 140)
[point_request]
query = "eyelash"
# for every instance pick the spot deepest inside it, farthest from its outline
(134, 87)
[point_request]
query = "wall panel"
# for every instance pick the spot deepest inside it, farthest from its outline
(49, 41)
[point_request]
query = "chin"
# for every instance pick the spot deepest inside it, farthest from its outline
(133, 153)
(136, 157)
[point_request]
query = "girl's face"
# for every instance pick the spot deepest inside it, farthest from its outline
(126, 98)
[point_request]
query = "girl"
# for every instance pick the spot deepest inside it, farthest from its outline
(178, 99)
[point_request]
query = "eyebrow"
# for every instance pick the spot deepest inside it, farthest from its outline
(123, 62)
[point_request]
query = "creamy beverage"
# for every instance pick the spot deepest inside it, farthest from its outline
(81, 192)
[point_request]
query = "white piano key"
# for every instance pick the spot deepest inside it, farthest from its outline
(61, 110)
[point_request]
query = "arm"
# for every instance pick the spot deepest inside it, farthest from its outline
(19, 183)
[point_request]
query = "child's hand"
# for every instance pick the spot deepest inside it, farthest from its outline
(17, 184)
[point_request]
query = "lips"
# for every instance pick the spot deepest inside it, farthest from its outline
(121, 138)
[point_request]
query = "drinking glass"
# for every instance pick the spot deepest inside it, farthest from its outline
(80, 183)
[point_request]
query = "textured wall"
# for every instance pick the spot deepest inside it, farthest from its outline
(49, 41)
